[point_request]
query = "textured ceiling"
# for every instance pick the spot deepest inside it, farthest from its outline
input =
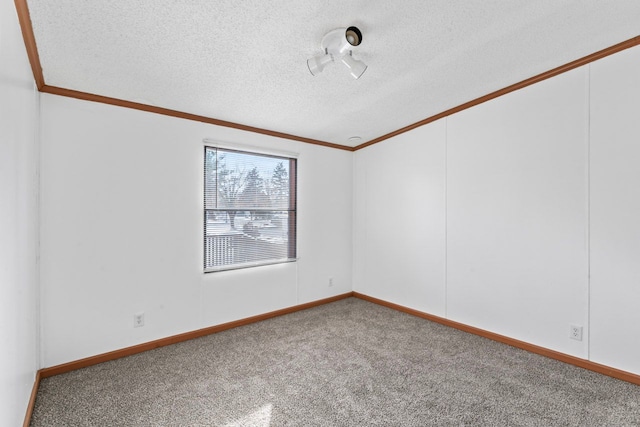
(245, 61)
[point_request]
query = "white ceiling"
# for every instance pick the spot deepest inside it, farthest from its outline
(245, 61)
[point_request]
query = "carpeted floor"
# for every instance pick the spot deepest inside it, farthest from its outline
(348, 363)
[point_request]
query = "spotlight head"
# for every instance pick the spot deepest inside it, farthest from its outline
(356, 67)
(318, 62)
(340, 41)
(353, 36)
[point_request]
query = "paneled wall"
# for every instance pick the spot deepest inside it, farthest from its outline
(534, 206)
(121, 232)
(18, 222)
(615, 210)
(518, 216)
(399, 219)
(517, 213)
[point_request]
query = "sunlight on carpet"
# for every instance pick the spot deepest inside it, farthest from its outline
(259, 418)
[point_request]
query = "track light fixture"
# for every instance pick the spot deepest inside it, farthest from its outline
(337, 46)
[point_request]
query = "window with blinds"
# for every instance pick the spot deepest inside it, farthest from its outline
(249, 209)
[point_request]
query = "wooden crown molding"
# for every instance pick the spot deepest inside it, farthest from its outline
(30, 41)
(26, 26)
(516, 86)
(36, 67)
(54, 90)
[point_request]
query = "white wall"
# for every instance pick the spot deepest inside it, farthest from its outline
(615, 210)
(521, 211)
(121, 230)
(485, 218)
(18, 222)
(399, 219)
(517, 213)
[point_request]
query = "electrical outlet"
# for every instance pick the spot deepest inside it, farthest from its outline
(330, 281)
(575, 332)
(138, 320)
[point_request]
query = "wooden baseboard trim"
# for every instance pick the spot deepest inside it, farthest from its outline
(128, 351)
(552, 354)
(32, 400)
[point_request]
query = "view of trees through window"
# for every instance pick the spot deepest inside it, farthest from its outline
(249, 209)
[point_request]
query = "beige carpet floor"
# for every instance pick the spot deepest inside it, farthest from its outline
(348, 363)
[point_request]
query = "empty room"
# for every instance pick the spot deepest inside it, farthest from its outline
(319, 213)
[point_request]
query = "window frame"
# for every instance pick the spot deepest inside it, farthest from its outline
(292, 217)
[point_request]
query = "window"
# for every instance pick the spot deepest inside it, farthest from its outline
(249, 209)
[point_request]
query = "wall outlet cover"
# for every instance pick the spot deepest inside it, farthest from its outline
(138, 320)
(575, 332)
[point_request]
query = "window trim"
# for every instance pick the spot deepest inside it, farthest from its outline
(251, 149)
(292, 246)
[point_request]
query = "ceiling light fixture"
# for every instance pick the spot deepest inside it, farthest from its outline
(337, 46)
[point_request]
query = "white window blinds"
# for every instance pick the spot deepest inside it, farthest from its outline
(249, 209)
